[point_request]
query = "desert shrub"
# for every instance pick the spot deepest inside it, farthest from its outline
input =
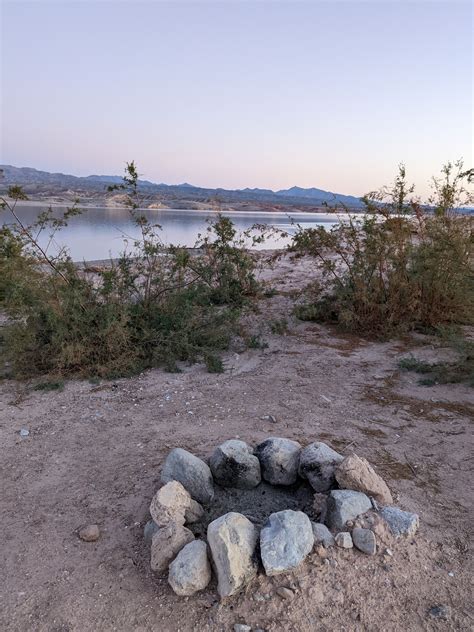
(154, 306)
(397, 266)
(461, 370)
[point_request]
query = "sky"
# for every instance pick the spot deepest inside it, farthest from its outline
(239, 94)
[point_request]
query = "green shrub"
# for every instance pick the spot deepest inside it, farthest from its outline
(397, 266)
(154, 306)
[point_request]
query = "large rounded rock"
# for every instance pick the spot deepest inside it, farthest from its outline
(357, 473)
(279, 459)
(233, 464)
(285, 541)
(344, 505)
(191, 472)
(232, 539)
(190, 571)
(169, 504)
(317, 463)
(166, 543)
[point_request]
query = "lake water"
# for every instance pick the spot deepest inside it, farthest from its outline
(98, 233)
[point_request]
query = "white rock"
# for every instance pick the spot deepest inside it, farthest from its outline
(344, 540)
(169, 504)
(232, 539)
(190, 571)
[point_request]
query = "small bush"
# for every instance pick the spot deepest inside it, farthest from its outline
(154, 306)
(398, 266)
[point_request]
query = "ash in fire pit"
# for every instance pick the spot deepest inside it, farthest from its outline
(253, 508)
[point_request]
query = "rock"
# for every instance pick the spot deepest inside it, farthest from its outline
(320, 506)
(285, 541)
(344, 505)
(166, 543)
(90, 533)
(400, 522)
(279, 459)
(242, 627)
(344, 540)
(357, 474)
(193, 513)
(317, 463)
(149, 531)
(169, 504)
(322, 535)
(24, 432)
(191, 472)
(285, 593)
(364, 540)
(232, 539)
(439, 612)
(190, 571)
(233, 464)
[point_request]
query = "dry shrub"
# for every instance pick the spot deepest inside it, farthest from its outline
(398, 266)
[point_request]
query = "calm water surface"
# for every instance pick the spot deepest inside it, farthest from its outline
(99, 232)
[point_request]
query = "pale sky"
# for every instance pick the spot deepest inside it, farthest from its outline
(234, 94)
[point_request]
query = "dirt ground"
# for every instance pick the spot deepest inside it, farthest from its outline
(94, 454)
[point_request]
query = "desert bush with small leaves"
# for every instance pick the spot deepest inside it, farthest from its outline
(399, 265)
(156, 305)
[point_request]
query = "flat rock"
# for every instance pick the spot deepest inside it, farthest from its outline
(400, 522)
(190, 571)
(364, 540)
(191, 472)
(166, 543)
(193, 513)
(233, 464)
(357, 474)
(279, 459)
(169, 504)
(89, 533)
(317, 464)
(285, 541)
(232, 539)
(344, 540)
(322, 535)
(344, 505)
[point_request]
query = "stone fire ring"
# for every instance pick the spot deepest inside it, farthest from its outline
(349, 506)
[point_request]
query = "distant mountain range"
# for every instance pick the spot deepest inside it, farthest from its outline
(43, 182)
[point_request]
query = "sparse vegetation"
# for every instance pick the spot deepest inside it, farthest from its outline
(154, 306)
(397, 267)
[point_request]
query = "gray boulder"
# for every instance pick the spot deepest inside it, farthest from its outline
(400, 522)
(344, 505)
(322, 535)
(279, 459)
(364, 540)
(194, 512)
(191, 472)
(318, 463)
(149, 531)
(166, 543)
(285, 541)
(232, 539)
(233, 464)
(190, 571)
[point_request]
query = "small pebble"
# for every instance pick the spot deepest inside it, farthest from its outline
(90, 533)
(24, 432)
(242, 627)
(439, 612)
(344, 540)
(285, 593)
